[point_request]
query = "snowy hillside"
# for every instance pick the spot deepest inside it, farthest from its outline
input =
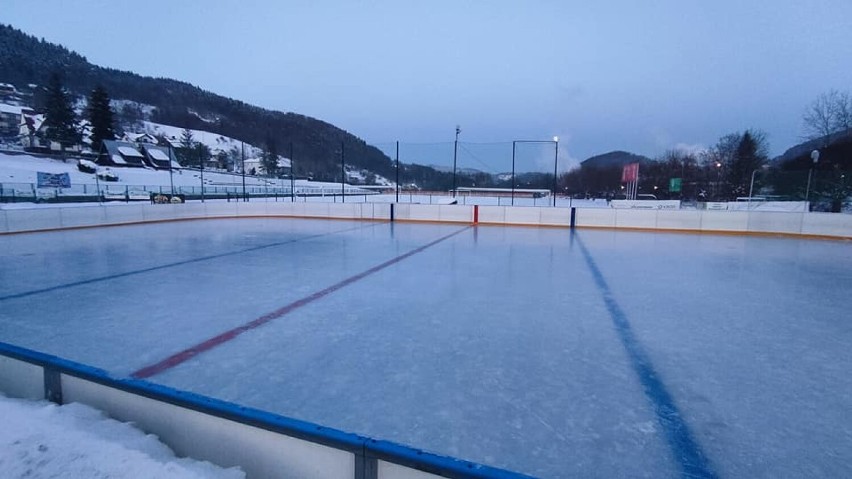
(217, 143)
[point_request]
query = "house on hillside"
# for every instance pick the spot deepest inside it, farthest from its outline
(10, 120)
(29, 130)
(254, 166)
(158, 157)
(120, 153)
(142, 138)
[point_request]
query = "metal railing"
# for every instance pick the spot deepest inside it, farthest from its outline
(106, 191)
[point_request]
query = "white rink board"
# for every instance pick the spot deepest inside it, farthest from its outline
(389, 470)
(813, 224)
(21, 379)
(261, 453)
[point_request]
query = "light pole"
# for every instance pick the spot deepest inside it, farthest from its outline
(815, 158)
(513, 172)
(718, 179)
(243, 158)
(342, 172)
(171, 178)
(455, 156)
(397, 171)
(555, 166)
(292, 176)
(751, 184)
(555, 142)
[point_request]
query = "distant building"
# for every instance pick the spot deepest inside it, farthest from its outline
(142, 138)
(158, 157)
(256, 165)
(120, 153)
(10, 119)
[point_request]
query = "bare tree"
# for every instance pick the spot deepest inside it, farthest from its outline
(821, 116)
(843, 112)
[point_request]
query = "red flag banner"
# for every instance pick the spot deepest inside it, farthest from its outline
(630, 173)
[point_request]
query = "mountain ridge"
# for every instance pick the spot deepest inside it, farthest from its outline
(25, 60)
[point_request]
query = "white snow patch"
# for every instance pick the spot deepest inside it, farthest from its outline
(43, 440)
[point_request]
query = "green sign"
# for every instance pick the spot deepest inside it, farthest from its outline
(674, 185)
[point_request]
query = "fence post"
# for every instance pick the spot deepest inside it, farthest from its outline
(366, 467)
(52, 385)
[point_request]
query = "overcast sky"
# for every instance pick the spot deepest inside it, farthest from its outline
(602, 75)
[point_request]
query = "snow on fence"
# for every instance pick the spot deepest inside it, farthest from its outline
(830, 225)
(264, 445)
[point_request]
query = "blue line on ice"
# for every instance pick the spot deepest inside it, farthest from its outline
(687, 452)
(172, 265)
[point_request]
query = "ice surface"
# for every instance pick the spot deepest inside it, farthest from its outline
(495, 345)
(43, 440)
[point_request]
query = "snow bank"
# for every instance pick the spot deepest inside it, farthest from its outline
(42, 440)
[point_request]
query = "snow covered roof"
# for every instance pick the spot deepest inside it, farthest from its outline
(128, 151)
(158, 155)
(16, 110)
(123, 153)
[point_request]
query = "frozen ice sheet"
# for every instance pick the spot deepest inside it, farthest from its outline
(495, 345)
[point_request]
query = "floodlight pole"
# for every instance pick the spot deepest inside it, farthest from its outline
(513, 172)
(455, 157)
(555, 166)
(292, 176)
(751, 188)
(815, 158)
(97, 180)
(201, 162)
(243, 152)
(342, 172)
(171, 178)
(397, 171)
(555, 141)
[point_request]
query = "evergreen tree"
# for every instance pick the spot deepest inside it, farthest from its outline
(60, 119)
(100, 116)
(186, 152)
(270, 157)
(751, 154)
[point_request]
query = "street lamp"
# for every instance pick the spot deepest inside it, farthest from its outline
(455, 156)
(815, 158)
(718, 178)
(751, 184)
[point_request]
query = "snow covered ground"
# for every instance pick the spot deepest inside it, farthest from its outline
(19, 173)
(39, 440)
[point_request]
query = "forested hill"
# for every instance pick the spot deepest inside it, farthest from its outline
(24, 59)
(613, 159)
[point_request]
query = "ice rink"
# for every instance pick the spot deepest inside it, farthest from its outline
(556, 354)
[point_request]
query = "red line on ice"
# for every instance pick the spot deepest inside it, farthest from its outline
(211, 343)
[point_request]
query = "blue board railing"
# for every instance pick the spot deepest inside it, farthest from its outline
(367, 450)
